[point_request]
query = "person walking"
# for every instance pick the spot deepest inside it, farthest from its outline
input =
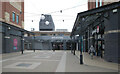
(54, 46)
(91, 51)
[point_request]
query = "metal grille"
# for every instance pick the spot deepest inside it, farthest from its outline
(24, 65)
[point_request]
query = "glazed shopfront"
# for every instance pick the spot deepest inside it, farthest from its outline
(99, 27)
(48, 43)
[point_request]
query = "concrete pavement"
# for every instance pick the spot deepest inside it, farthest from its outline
(49, 61)
(97, 61)
(88, 66)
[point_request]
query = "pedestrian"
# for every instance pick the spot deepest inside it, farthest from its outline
(54, 48)
(91, 51)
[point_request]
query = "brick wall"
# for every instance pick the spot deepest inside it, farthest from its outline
(8, 8)
(92, 4)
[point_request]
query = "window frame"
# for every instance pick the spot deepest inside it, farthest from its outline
(96, 4)
(100, 2)
(17, 19)
(13, 16)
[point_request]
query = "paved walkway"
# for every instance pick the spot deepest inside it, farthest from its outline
(97, 61)
(49, 61)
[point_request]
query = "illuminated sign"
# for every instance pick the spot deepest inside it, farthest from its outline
(15, 43)
(98, 29)
(57, 37)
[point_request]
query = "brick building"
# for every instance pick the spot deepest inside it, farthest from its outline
(12, 13)
(98, 3)
(11, 26)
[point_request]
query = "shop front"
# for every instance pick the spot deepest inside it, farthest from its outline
(12, 38)
(100, 28)
(48, 42)
(98, 40)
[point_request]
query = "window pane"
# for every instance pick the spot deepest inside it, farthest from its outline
(100, 2)
(96, 3)
(13, 16)
(17, 19)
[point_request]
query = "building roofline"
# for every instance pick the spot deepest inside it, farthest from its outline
(15, 27)
(100, 9)
(94, 11)
(50, 31)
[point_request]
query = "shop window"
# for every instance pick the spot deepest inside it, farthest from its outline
(96, 3)
(13, 16)
(100, 2)
(17, 19)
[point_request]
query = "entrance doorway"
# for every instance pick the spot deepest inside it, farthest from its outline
(58, 45)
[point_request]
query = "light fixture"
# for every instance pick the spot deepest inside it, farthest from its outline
(9, 28)
(42, 17)
(7, 37)
(23, 39)
(77, 35)
(60, 11)
(20, 12)
(115, 10)
(83, 19)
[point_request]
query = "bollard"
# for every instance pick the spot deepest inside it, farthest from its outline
(22, 51)
(81, 59)
(74, 52)
(53, 50)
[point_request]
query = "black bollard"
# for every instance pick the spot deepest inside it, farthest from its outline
(53, 50)
(74, 52)
(22, 51)
(81, 59)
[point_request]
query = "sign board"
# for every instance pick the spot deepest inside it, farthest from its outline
(57, 37)
(98, 29)
(15, 43)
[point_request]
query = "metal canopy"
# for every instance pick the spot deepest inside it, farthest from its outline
(89, 17)
(83, 23)
(49, 38)
(17, 28)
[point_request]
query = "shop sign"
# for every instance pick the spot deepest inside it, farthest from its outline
(57, 37)
(97, 29)
(15, 43)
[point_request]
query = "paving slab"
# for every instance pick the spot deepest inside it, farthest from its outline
(49, 61)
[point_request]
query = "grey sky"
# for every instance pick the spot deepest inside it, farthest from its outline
(34, 9)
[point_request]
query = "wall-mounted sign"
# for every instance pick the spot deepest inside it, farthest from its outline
(57, 37)
(98, 29)
(15, 43)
